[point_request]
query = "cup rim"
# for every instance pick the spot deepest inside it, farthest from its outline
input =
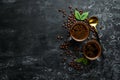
(99, 48)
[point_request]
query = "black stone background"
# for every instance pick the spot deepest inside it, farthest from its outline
(28, 46)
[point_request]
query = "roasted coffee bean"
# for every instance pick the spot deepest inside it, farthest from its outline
(59, 10)
(70, 7)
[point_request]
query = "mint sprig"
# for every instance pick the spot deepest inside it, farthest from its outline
(82, 16)
(82, 60)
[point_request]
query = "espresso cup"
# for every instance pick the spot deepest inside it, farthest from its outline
(92, 50)
(79, 31)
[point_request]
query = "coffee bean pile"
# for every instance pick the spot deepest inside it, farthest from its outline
(70, 18)
(75, 65)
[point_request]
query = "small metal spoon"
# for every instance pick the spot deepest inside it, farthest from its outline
(93, 21)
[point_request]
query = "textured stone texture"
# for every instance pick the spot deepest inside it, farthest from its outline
(29, 49)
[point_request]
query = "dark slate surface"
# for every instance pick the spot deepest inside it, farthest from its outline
(28, 46)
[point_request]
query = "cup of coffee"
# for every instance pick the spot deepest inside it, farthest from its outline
(92, 50)
(80, 31)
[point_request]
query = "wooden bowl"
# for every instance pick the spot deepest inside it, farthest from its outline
(92, 50)
(80, 31)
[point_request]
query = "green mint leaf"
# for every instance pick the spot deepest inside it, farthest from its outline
(84, 16)
(85, 61)
(79, 60)
(77, 15)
